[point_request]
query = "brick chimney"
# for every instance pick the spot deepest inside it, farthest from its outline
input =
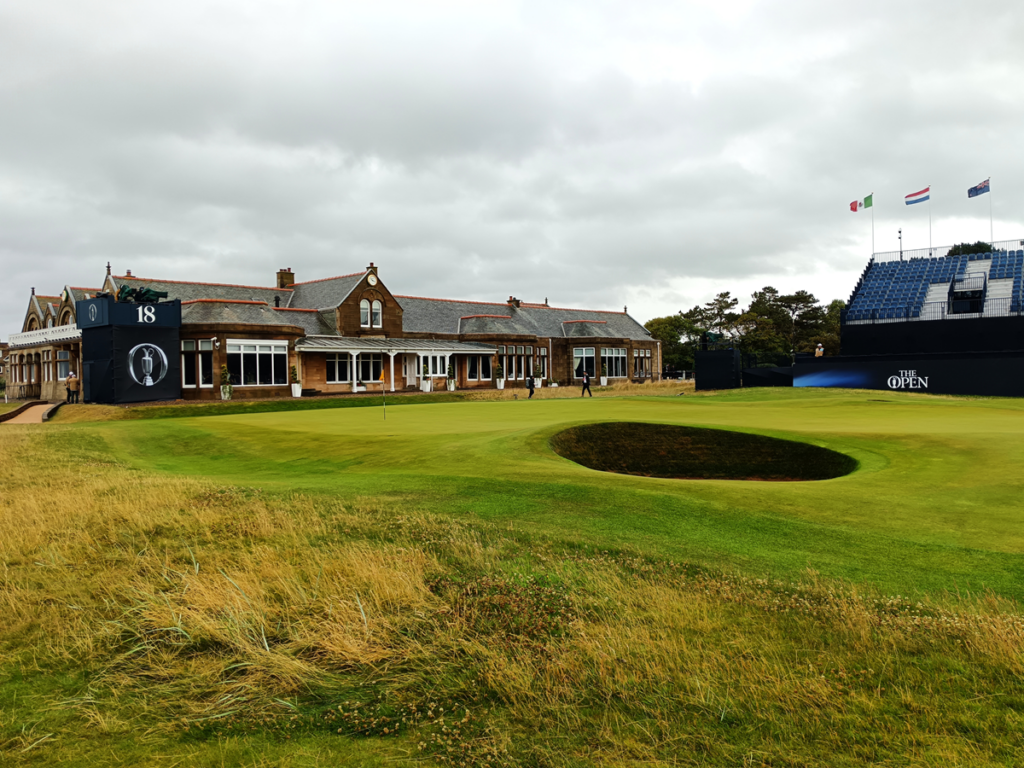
(514, 301)
(285, 278)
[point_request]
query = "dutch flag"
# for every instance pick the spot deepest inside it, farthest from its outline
(918, 197)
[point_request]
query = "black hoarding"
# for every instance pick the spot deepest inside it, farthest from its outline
(130, 352)
(717, 369)
(103, 310)
(993, 375)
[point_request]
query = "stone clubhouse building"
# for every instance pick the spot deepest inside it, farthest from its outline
(343, 334)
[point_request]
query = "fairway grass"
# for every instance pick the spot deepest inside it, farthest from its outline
(440, 588)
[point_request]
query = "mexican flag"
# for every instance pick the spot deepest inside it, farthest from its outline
(856, 205)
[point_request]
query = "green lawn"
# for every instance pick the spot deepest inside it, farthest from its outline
(323, 587)
(935, 504)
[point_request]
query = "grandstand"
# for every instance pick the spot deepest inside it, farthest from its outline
(920, 285)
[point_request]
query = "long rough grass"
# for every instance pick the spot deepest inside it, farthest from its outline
(181, 613)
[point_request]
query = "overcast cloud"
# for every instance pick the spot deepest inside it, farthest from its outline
(597, 153)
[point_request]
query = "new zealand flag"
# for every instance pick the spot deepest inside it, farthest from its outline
(981, 189)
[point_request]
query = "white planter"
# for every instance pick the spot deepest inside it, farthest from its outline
(426, 385)
(538, 383)
(500, 383)
(296, 389)
(604, 381)
(225, 391)
(450, 383)
(358, 388)
(553, 384)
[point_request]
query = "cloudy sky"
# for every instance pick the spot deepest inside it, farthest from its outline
(595, 152)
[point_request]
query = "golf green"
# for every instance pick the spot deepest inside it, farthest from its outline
(935, 503)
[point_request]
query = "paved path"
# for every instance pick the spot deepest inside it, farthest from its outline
(33, 415)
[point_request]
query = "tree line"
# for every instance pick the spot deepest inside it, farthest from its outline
(769, 331)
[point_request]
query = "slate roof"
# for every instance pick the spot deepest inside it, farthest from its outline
(422, 315)
(191, 291)
(78, 294)
(355, 344)
(327, 293)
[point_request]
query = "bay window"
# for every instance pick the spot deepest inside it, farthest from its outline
(196, 363)
(583, 361)
(478, 368)
(370, 366)
(615, 361)
(63, 364)
(258, 364)
(338, 368)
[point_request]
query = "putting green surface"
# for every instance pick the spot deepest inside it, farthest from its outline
(937, 502)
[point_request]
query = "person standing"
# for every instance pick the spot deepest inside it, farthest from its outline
(586, 385)
(529, 385)
(74, 385)
(67, 387)
(820, 351)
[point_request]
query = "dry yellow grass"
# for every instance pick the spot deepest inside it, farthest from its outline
(201, 609)
(618, 389)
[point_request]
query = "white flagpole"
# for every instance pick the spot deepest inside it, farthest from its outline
(929, 219)
(872, 224)
(991, 237)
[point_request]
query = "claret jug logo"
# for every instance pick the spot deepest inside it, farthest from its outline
(908, 380)
(147, 364)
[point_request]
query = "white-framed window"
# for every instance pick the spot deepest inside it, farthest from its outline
(478, 368)
(196, 363)
(47, 365)
(541, 370)
(517, 360)
(364, 313)
(375, 314)
(63, 364)
(370, 366)
(433, 365)
(583, 361)
(615, 361)
(339, 368)
(258, 363)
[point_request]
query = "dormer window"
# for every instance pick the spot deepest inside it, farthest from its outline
(364, 313)
(375, 314)
(370, 314)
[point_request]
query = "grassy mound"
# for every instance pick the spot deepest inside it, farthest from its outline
(667, 450)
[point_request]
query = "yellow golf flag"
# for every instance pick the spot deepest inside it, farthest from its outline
(381, 376)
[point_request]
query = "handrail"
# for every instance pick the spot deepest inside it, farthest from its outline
(940, 251)
(939, 310)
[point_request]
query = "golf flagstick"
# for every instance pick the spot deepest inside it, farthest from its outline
(383, 397)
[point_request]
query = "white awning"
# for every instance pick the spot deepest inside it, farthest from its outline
(56, 335)
(357, 345)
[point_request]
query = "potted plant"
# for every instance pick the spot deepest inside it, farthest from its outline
(426, 383)
(499, 376)
(604, 375)
(450, 383)
(296, 386)
(358, 386)
(226, 389)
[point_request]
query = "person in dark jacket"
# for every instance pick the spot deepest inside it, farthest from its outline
(530, 385)
(586, 385)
